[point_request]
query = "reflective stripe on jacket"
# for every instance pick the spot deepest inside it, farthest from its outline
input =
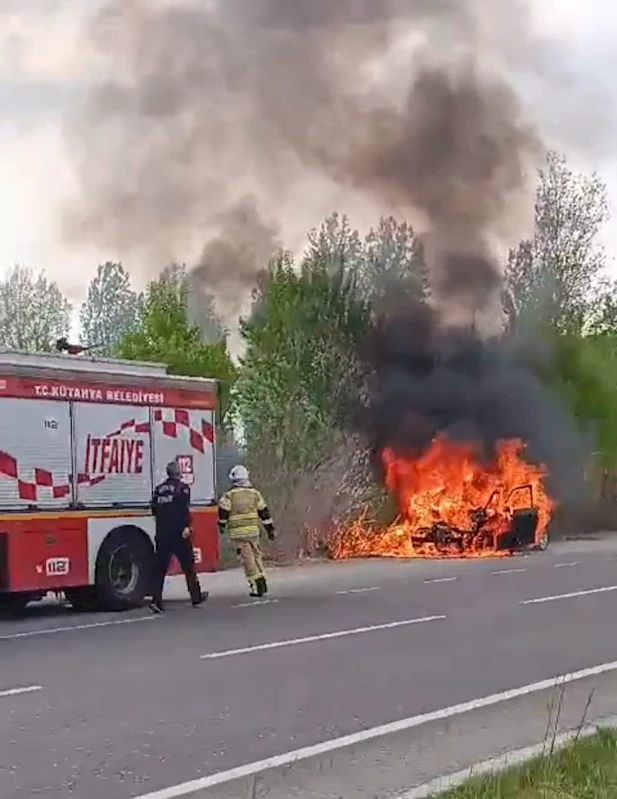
(245, 507)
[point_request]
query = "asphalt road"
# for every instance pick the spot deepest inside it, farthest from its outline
(116, 707)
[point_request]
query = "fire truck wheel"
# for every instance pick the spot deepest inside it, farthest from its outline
(123, 569)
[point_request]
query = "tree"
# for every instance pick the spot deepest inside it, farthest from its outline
(299, 373)
(387, 263)
(602, 316)
(583, 370)
(335, 245)
(201, 309)
(558, 274)
(393, 263)
(165, 335)
(33, 311)
(111, 308)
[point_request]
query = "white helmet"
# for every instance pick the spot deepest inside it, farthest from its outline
(239, 474)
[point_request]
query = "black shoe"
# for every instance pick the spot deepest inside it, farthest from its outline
(262, 586)
(156, 607)
(202, 598)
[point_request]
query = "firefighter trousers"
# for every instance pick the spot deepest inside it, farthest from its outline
(166, 548)
(249, 554)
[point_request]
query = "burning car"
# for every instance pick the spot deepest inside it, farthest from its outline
(453, 504)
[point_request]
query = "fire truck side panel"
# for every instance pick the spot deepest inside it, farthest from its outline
(35, 454)
(205, 541)
(99, 529)
(44, 552)
(187, 435)
(113, 453)
(205, 538)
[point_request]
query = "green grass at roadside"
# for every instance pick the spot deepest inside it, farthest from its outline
(586, 769)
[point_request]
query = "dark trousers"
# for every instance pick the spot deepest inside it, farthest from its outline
(166, 547)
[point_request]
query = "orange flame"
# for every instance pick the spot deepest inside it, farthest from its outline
(451, 504)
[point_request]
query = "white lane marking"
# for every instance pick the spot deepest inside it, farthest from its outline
(509, 571)
(27, 689)
(541, 599)
(359, 590)
(611, 558)
(442, 580)
(323, 637)
(73, 627)
(334, 744)
(256, 603)
(567, 565)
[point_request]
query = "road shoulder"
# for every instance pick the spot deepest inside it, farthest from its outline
(392, 766)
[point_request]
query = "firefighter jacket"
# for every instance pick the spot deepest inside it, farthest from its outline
(240, 511)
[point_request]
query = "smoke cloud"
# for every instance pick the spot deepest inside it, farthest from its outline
(427, 381)
(208, 116)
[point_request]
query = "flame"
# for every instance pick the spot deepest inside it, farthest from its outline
(451, 504)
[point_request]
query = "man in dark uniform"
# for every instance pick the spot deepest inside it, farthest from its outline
(170, 505)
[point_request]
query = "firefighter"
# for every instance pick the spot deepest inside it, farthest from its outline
(241, 510)
(171, 509)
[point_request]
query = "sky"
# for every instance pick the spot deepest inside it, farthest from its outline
(44, 77)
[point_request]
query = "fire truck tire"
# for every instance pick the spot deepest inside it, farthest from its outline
(123, 569)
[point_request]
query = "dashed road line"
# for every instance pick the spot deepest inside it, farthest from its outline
(26, 689)
(539, 600)
(509, 571)
(256, 603)
(76, 627)
(245, 650)
(360, 590)
(567, 565)
(441, 580)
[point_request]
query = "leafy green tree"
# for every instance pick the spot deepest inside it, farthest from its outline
(165, 335)
(335, 245)
(387, 262)
(34, 313)
(558, 274)
(602, 316)
(111, 307)
(299, 372)
(393, 263)
(583, 370)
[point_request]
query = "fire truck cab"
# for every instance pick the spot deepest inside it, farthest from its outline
(83, 442)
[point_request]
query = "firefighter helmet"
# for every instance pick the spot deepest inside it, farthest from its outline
(239, 474)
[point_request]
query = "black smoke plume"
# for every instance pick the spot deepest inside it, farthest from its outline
(207, 118)
(427, 381)
(407, 104)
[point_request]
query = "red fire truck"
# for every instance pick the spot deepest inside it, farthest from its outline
(83, 441)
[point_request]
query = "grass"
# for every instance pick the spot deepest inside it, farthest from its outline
(585, 769)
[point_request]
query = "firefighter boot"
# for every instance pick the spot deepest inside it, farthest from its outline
(255, 587)
(261, 585)
(198, 596)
